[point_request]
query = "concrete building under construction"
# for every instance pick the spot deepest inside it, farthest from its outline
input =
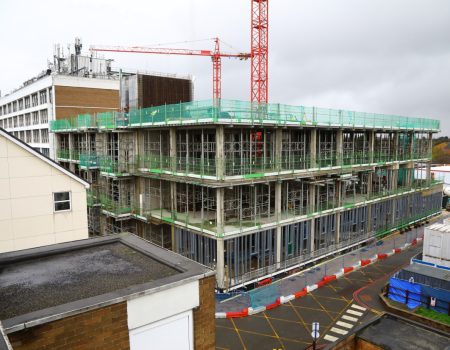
(250, 190)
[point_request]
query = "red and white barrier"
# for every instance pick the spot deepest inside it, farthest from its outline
(326, 279)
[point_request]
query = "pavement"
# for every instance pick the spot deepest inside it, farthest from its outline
(338, 306)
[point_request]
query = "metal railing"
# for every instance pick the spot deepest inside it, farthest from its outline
(241, 112)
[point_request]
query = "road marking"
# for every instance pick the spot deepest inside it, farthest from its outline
(344, 324)
(330, 338)
(349, 318)
(338, 331)
(353, 312)
(358, 307)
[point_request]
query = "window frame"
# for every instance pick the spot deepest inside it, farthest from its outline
(62, 201)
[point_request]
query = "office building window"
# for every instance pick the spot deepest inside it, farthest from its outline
(27, 119)
(44, 116)
(35, 118)
(36, 137)
(34, 100)
(28, 138)
(44, 135)
(15, 123)
(61, 201)
(43, 96)
(27, 102)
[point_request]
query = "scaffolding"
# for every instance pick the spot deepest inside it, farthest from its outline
(116, 153)
(240, 112)
(245, 192)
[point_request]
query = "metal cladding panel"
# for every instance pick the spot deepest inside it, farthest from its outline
(159, 90)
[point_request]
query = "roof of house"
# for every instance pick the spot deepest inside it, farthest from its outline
(43, 284)
(44, 158)
(394, 332)
(390, 331)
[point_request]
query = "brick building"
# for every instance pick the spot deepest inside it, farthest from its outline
(115, 292)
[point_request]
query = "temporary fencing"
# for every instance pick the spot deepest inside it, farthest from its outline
(273, 293)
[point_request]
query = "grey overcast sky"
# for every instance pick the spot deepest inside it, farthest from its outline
(386, 56)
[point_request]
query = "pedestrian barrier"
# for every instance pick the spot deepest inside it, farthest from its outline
(272, 293)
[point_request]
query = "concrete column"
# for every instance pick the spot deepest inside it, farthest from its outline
(71, 149)
(313, 148)
(173, 148)
(220, 263)
(312, 198)
(411, 145)
(395, 167)
(429, 154)
(338, 194)
(430, 145)
(219, 210)
(339, 147)
(312, 235)
(396, 136)
(371, 146)
(369, 217)
(278, 241)
(278, 148)
(369, 183)
(173, 208)
(338, 228)
(220, 152)
(172, 238)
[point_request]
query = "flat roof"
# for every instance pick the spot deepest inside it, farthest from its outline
(393, 332)
(42, 284)
(431, 271)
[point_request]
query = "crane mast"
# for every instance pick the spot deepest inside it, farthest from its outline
(259, 87)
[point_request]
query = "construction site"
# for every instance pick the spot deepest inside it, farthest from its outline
(249, 188)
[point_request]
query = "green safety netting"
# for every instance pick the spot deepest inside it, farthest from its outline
(232, 111)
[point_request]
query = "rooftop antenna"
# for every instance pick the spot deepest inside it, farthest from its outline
(78, 46)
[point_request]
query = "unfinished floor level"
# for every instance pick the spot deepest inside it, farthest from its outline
(252, 191)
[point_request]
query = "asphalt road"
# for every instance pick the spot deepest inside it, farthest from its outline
(339, 306)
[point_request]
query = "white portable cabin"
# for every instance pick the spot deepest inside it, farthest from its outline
(436, 244)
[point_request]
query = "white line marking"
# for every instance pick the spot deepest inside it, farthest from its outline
(330, 338)
(349, 318)
(353, 312)
(358, 307)
(344, 324)
(338, 331)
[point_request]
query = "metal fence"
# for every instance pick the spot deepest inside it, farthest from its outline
(270, 293)
(406, 297)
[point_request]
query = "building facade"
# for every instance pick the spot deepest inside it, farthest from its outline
(41, 203)
(253, 191)
(26, 112)
(142, 297)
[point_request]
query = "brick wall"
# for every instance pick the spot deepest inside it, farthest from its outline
(204, 316)
(104, 328)
(71, 101)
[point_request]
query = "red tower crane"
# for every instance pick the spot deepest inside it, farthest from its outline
(259, 78)
(216, 57)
